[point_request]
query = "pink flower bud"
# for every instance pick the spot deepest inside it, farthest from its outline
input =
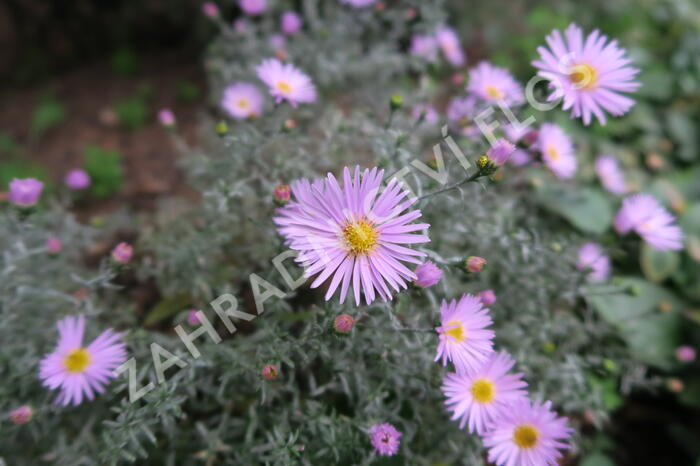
(685, 354)
(475, 264)
(53, 245)
(253, 7)
(428, 274)
(291, 23)
(122, 253)
(77, 179)
(282, 193)
(270, 372)
(21, 415)
(487, 297)
(501, 151)
(343, 323)
(210, 10)
(193, 318)
(25, 192)
(166, 118)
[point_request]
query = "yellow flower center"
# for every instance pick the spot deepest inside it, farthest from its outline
(483, 391)
(456, 331)
(360, 236)
(553, 153)
(494, 92)
(243, 103)
(77, 360)
(583, 76)
(283, 86)
(526, 436)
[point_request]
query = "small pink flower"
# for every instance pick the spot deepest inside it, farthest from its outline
(243, 100)
(25, 192)
(487, 297)
(21, 415)
(53, 245)
(650, 220)
(685, 354)
(475, 264)
(385, 439)
(210, 10)
(77, 179)
(500, 151)
(270, 372)
(344, 323)
(427, 112)
(425, 47)
(122, 253)
(253, 7)
(282, 193)
(593, 259)
(451, 47)
(193, 318)
(428, 274)
(166, 117)
(286, 82)
(291, 23)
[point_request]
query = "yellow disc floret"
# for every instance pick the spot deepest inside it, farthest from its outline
(360, 236)
(583, 76)
(526, 436)
(456, 331)
(483, 391)
(77, 360)
(283, 87)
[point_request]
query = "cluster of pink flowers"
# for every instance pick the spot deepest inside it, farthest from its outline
(445, 39)
(486, 397)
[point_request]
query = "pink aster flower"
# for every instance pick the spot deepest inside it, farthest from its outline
(243, 100)
(611, 177)
(385, 439)
(53, 245)
(122, 253)
(353, 233)
(428, 274)
(166, 117)
(590, 73)
(253, 7)
(425, 47)
(193, 317)
(493, 84)
(270, 372)
(464, 339)
(450, 45)
(290, 23)
(487, 297)
(479, 397)
(648, 218)
(527, 434)
(25, 192)
(344, 323)
(462, 110)
(77, 179)
(557, 150)
(500, 151)
(358, 3)
(286, 82)
(81, 371)
(591, 257)
(210, 10)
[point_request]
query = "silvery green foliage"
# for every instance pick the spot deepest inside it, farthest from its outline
(217, 409)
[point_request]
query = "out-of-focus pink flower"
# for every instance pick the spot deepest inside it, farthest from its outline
(385, 439)
(25, 192)
(53, 245)
(122, 253)
(500, 151)
(475, 264)
(210, 10)
(270, 372)
(193, 318)
(343, 323)
(253, 7)
(451, 47)
(428, 274)
(282, 194)
(685, 353)
(77, 179)
(648, 218)
(21, 415)
(487, 297)
(166, 117)
(290, 23)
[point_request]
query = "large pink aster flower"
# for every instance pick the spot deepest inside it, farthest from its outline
(493, 84)
(81, 371)
(557, 150)
(464, 339)
(286, 82)
(480, 396)
(242, 100)
(648, 218)
(527, 435)
(589, 74)
(353, 233)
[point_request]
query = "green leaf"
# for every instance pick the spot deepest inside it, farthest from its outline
(608, 388)
(658, 265)
(587, 209)
(647, 315)
(168, 307)
(48, 114)
(104, 168)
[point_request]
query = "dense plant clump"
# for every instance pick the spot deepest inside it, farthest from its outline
(397, 258)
